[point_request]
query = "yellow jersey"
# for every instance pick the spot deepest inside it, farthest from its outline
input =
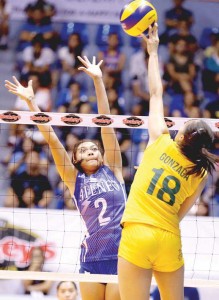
(160, 186)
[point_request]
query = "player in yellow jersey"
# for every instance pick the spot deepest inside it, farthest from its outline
(170, 178)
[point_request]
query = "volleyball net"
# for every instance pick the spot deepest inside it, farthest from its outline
(58, 231)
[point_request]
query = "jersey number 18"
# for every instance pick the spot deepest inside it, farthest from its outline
(165, 189)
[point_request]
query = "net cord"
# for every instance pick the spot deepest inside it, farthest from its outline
(54, 276)
(91, 120)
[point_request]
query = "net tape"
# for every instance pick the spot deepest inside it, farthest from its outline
(54, 276)
(91, 120)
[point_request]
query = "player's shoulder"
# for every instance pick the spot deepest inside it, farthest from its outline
(162, 140)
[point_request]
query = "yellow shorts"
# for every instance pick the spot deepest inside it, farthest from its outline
(150, 247)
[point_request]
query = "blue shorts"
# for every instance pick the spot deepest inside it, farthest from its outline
(107, 267)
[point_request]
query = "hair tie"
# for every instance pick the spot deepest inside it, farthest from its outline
(198, 131)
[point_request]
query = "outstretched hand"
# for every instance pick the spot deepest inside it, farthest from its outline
(25, 93)
(92, 69)
(152, 40)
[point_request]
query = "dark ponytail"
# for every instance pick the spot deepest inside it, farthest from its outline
(198, 138)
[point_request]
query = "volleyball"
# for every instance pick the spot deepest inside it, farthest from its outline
(137, 16)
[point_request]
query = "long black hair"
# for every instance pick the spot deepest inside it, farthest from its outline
(77, 51)
(198, 139)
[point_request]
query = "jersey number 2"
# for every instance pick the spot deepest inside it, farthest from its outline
(102, 202)
(165, 189)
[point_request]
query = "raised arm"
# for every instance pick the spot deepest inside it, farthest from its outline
(62, 160)
(156, 123)
(110, 142)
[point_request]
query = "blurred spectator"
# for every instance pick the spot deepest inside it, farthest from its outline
(139, 77)
(183, 31)
(185, 106)
(68, 28)
(64, 198)
(48, 9)
(5, 10)
(36, 287)
(138, 138)
(103, 32)
(208, 204)
(210, 74)
(211, 110)
(39, 59)
(116, 103)
(84, 132)
(210, 195)
(35, 25)
(214, 36)
(113, 59)
(17, 163)
(28, 197)
(68, 57)
(189, 293)
(71, 99)
(194, 112)
(207, 35)
(16, 134)
(70, 141)
(178, 12)
(202, 208)
(76, 105)
(32, 179)
(67, 290)
(110, 82)
(181, 70)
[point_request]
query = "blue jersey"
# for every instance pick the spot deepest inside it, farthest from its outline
(100, 199)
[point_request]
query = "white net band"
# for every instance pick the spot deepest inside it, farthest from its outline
(54, 276)
(91, 120)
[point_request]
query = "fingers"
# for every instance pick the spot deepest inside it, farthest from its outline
(82, 69)
(9, 83)
(10, 88)
(30, 83)
(155, 30)
(87, 60)
(144, 37)
(16, 81)
(83, 61)
(13, 92)
(150, 31)
(100, 63)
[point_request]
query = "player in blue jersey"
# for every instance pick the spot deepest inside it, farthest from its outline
(95, 181)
